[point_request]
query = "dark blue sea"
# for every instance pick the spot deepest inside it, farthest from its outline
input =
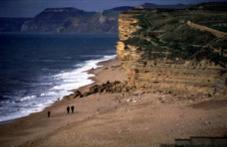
(38, 69)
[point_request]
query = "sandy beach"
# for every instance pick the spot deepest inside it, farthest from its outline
(117, 119)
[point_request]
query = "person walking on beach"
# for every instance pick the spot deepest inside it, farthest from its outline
(68, 109)
(72, 109)
(48, 114)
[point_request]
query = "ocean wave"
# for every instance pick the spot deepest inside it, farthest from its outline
(65, 81)
(79, 77)
(51, 93)
(26, 98)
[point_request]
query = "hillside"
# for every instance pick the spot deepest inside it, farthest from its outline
(65, 20)
(175, 51)
(71, 20)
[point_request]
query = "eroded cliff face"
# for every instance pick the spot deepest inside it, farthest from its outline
(157, 59)
(127, 25)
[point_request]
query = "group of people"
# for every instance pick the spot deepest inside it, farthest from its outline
(68, 108)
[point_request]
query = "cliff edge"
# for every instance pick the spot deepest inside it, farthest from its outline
(162, 52)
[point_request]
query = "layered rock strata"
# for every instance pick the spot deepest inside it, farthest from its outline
(154, 64)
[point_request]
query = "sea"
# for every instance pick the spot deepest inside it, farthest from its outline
(38, 69)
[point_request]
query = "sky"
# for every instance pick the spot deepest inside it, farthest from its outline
(30, 8)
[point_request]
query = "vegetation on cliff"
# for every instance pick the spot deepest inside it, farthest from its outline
(178, 51)
(167, 33)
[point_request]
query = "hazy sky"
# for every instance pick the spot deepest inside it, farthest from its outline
(29, 8)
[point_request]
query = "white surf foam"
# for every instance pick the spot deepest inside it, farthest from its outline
(78, 77)
(26, 98)
(66, 81)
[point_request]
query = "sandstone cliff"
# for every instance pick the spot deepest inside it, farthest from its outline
(161, 52)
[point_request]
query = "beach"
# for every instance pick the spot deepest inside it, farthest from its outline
(122, 119)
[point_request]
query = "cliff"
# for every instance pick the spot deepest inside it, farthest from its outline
(71, 20)
(65, 20)
(161, 51)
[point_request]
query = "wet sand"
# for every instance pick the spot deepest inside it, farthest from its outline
(117, 119)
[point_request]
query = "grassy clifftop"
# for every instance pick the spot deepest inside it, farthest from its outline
(168, 31)
(176, 51)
